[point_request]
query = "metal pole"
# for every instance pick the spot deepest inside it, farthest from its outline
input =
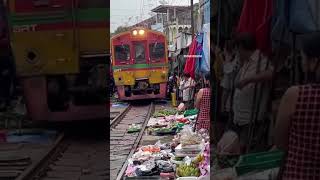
(219, 22)
(192, 20)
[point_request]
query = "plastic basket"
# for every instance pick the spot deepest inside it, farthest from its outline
(259, 162)
(190, 112)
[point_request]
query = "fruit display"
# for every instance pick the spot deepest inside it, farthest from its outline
(185, 170)
(198, 159)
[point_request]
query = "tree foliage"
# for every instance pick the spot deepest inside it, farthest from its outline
(120, 29)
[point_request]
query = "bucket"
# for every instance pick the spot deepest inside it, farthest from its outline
(174, 99)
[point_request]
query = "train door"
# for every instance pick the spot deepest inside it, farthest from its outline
(44, 36)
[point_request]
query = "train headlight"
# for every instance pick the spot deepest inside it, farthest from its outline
(135, 32)
(141, 32)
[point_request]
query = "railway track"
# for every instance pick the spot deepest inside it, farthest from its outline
(73, 157)
(82, 155)
(123, 144)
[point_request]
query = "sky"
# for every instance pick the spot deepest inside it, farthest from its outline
(129, 12)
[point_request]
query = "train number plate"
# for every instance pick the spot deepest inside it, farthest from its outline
(117, 70)
(25, 28)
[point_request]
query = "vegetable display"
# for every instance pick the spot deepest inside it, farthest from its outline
(185, 170)
(165, 112)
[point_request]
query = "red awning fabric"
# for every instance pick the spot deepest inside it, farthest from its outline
(256, 19)
(191, 60)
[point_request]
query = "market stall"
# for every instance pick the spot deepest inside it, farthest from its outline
(178, 153)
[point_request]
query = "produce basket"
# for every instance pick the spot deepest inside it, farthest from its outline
(190, 112)
(259, 162)
(165, 131)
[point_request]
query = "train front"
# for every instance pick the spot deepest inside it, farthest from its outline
(140, 64)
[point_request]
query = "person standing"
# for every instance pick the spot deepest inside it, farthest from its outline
(188, 91)
(202, 103)
(297, 129)
(250, 97)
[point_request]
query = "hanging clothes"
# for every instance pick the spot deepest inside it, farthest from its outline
(205, 63)
(190, 62)
(304, 16)
(206, 10)
(230, 13)
(280, 31)
(256, 18)
(294, 16)
(198, 54)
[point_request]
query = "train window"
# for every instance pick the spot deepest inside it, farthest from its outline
(140, 53)
(122, 53)
(157, 51)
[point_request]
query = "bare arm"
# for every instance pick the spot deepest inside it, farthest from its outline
(198, 99)
(258, 78)
(286, 110)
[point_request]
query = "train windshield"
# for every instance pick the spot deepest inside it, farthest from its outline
(122, 53)
(140, 53)
(157, 51)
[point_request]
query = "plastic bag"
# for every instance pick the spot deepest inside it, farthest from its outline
(131, 169)
(165, 166)
(181, 107)
(141, 156)
(229, 144)
(188, 137)
(148, 168)
(187, 160)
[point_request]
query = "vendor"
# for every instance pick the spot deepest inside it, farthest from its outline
(298, 121)
(203, 104)
(254, 76)
(188, 91)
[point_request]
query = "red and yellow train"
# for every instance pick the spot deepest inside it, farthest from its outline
(140, 64)
(61, 51)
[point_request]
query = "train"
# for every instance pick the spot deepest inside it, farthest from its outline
(140, 64)
(61, 54)
(7, 66)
